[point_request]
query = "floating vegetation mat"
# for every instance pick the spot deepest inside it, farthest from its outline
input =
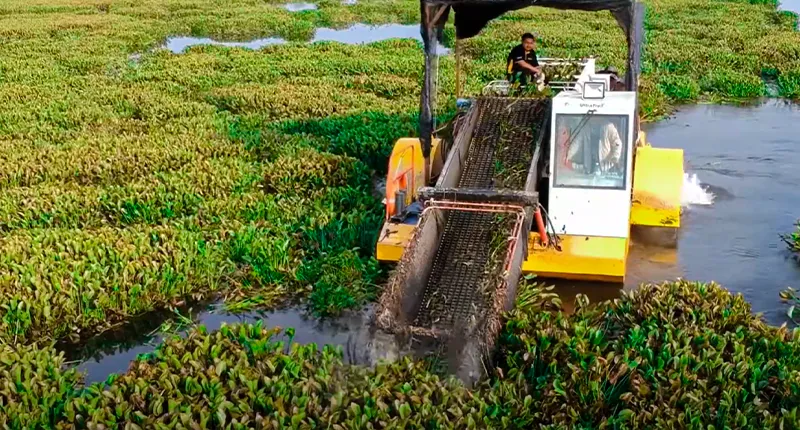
(677, 355)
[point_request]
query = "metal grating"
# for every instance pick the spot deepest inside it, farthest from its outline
(494, 114)
(453, 291)
(458, 269)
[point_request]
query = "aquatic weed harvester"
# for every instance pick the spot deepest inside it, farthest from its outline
(523, 184)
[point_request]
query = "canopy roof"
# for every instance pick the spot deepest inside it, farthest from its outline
(471, 16)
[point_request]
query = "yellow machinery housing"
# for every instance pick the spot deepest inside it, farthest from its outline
(655, 203)
(583, 229)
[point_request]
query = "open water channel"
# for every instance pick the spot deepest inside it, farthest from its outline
(355, 34)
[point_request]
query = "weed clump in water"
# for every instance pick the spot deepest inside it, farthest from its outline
(792, 240)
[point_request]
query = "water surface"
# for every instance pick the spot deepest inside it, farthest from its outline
(299, 7)
(113, 352)
(180, 44)
(790, 5)
(353, 35)
(749, 159)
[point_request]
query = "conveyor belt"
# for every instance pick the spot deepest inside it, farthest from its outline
(453, 291)
(459, 266)
(507, 119)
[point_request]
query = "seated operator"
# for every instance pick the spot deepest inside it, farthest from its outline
(579, 155)
(522, 65)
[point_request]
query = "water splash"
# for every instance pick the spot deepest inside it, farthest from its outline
(694, 193)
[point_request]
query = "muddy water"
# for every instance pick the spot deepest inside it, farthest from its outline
(747, 159)
(353, 35)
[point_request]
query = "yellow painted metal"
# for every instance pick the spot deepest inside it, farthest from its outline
(585, 258)
(407, 164)
(393, 239)
(657, 186)
(406, 170)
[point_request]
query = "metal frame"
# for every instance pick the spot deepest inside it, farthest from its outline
(485, 207)
(629, 14)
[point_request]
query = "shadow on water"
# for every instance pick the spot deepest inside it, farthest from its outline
(353, 35)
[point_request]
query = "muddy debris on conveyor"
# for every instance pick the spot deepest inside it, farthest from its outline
(460, 269)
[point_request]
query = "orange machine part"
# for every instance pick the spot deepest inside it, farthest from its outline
(401, 174)
(540, 226)
(406, 171)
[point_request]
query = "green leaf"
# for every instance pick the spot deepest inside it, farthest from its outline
(405, 411)
(559, 388)
(625, 414)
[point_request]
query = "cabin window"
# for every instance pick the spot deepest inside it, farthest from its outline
(591, 151)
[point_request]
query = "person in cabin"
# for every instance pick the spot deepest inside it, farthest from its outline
(522, 65)
(579, 144)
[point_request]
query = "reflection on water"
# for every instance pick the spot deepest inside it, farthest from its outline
(362, 33)
(790, 5)
(299, 7)
(747, 158)
(179, 44)
(113, 352)
(354, 35)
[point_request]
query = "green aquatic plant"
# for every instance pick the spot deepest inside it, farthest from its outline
(679, 354)
(675, 355)
(792, 240)
(34, 387)
(176, 324)
(792, 297)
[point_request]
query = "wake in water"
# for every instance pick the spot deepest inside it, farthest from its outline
(694, 193)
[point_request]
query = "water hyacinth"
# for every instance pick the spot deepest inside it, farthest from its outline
(243, 377)
(676, 355)
(793, 240)
(33, 387)
(792, 297)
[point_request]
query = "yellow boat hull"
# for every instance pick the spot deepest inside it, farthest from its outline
(580, 258)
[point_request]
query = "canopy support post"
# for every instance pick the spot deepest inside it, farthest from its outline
(637, 35)
(631, 19)
(432, 15)
(459, 88)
